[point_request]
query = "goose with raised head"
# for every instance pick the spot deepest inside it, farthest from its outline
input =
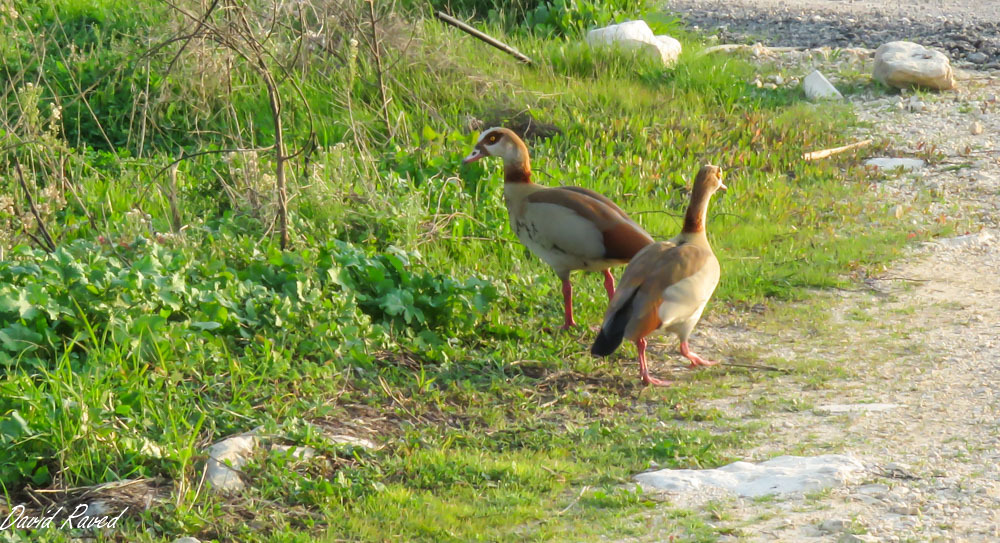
(667, 285)
(570, 228)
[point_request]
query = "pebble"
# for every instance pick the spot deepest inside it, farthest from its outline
(901, 509)
(976, 128)
(977, 58)
(834, 525)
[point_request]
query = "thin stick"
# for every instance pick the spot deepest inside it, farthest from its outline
(816, 155)
(484, 37)
(380, 71)
(34, 210)
(574, 502)
(756, 367)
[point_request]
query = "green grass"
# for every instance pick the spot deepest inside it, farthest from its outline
(405, 312)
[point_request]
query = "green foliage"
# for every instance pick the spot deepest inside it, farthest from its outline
(85, 55)
(574, 17)
(431, 305)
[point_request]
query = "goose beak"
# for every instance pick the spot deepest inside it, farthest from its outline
(475, 155)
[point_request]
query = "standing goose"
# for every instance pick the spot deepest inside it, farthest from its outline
(667, 285)
(570, 228)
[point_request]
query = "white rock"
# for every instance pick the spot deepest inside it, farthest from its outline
(636, 35)
(670, 49)
(976, 128)
(781, 475)
(855, 407)
(817, 87)
(905, 64)
(884, 163)
(916, 104)
(187, 540)
(350, 440)
(234, 451)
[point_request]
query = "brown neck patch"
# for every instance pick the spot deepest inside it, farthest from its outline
(694, 219)
(517, 173)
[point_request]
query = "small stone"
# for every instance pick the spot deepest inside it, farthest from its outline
(916, 105)
(902, 509)
(900, 470)
(976, 128)
(884, 163)
(897, 211)
(977, 58)
(225, 458)
(818, 87)
(834, 525)
(338, 439)
(187, 540)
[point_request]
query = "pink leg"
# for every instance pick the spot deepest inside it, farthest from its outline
(609, 283)
(640, 345)
(567, 291)
(695, 359)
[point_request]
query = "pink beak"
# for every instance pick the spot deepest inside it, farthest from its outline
(475, 155)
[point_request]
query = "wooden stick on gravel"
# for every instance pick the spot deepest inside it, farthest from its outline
(816, 155)
(488, 39)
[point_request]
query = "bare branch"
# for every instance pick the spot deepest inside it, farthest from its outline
(49, 244)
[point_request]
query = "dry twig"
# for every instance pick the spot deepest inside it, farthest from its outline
(816, 155)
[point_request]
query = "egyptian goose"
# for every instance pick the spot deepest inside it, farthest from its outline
(667, 285)
(570, 228)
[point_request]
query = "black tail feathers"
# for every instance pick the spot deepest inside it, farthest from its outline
(610, 336)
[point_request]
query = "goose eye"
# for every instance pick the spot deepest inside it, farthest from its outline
(493, 139)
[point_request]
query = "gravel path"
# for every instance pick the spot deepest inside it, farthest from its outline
(923, 336)
(967, 30)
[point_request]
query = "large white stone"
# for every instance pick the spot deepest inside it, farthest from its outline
(818, 87)
(234, 452)
(781, 475)
(636, 35)
(905, 64)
